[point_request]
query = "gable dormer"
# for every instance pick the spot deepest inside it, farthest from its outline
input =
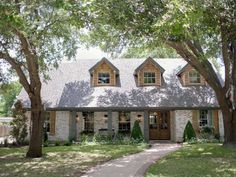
(189, 76)
(149, 73)
(104, 73)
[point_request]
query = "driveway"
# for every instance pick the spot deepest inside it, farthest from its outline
(133, 165)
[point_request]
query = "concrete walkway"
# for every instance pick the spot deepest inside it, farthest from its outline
(133, 165)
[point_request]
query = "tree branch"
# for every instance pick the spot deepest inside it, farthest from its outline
(17, 67)
(203, 66)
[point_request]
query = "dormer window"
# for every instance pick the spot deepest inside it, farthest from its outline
(149, 78)
(104, 73)
(149, 73)
(194, 77)
(103, 78)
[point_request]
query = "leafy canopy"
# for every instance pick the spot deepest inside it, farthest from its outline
(51, 28)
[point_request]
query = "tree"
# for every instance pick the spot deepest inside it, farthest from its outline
(19, 124)
(136, 132)
(189, 132)
(34, 36)
(196, 30)
(8, 93)
(144, 51)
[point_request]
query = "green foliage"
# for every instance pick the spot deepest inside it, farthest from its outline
(189, 132)
(67, 143)
(145, 51)
(45, 144)
(45, 135)
(8, 93)
(136, 132)
(19, 124)
(57, 143)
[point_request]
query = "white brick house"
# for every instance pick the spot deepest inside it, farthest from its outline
(109, 95)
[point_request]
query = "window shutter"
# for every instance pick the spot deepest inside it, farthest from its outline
(52, 122)
(216, 120)
(209, 118)
(195, 120)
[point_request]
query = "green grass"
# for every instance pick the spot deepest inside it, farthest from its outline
(60, 160)
(196, 160)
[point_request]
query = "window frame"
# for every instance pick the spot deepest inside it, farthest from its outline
(190, 78)
(208, 119)
(47, 122)
(149, 78)
(88, 124)
(124, 126)
(109, 78)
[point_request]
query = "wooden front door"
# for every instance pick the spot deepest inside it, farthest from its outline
(159, 125)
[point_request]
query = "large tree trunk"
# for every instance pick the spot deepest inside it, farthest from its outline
(35, 146)
(229, 119)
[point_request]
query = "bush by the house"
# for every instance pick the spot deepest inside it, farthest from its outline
(19, 124)
(45, 135)
(136, 132)
(189, 132)
(57, 143)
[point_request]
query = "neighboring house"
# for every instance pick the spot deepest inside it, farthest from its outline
(109, 95)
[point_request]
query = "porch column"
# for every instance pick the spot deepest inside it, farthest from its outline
(109, 122)
(146, 126)
(72, 126)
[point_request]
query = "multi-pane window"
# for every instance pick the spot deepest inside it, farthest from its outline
(194, 77)
(204, 119)
(149, 78)
(124, 122)
(103, 78)
(88, 122)
(47, 121)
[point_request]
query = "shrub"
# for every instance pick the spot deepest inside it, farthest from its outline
(189, 132)
(101, 138)
(18, 124)
(209, 130)
(67, 143)
(57, 143)
(45, 135)
(45, 144)
(5, 143)
(136, 133)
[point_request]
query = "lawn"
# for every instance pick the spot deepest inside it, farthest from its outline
(196, 160)
(60, 160)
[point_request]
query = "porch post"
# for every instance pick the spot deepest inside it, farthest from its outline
(146, 126)
(72, 125)
(109, 122)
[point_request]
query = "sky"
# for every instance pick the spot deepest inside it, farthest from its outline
(91, 53)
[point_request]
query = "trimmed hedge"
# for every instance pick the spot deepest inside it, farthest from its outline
(189, 132)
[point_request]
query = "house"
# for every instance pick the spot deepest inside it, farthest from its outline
(109, 95)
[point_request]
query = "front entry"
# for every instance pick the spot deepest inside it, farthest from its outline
(159, 125)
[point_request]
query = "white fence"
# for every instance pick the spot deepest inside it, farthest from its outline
(5, 127)
(5, 130)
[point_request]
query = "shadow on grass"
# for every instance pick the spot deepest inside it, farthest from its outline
(197, 160)
(62, 160)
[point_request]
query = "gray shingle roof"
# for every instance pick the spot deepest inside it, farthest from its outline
(69, 87)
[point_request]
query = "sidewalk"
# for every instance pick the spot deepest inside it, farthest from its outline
(133, 165)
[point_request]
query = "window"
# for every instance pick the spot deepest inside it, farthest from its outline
(88, 122)
(194, 77)
(47, 122)
(124, 122)
(149, 78)
(205, 119)
(103, 78)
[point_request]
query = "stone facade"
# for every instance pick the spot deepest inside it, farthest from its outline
(101, 121)
(181, 118)
(62, 126)
(178, 121)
